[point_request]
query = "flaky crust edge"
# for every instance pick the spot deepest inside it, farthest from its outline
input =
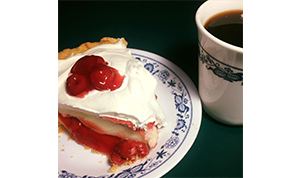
(88, 45)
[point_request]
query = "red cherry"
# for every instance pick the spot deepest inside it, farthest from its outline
(102, 76)
(128, 150)
(142, 149)
(76, 84)
(115, 158)
(84, 64)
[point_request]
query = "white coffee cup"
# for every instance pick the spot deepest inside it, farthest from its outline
(220, 67)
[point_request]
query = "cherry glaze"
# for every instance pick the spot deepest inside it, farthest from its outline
(92, 73)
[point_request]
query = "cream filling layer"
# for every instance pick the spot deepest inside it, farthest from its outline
(103, 126)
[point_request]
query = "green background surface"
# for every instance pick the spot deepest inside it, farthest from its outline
(166, 28)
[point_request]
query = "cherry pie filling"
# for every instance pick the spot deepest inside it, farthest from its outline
(92, 73)
(119, 150)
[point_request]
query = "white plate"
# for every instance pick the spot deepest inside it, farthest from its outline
(180, 101)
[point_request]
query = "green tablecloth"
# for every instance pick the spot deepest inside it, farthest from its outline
(167, 29)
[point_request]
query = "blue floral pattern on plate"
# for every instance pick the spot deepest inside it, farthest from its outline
(183, 119)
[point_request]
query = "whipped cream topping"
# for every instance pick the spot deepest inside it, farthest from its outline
(134, 101)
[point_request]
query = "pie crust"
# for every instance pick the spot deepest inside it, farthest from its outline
(86, 46)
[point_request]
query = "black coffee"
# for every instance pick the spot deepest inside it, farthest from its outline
(227, 26)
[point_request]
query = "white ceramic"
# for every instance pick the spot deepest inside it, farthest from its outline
(181, 103)
(220, 67)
